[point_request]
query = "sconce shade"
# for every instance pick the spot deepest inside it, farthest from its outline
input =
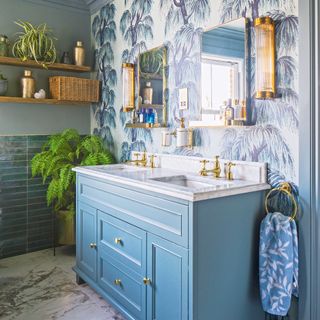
(128, 86)
(265, 70)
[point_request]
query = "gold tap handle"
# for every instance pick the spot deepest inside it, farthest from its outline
(144, 156)
(229, 172)
(203, 168)
(136, 155)
(152, 164)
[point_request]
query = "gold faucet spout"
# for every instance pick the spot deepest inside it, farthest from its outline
(217, 168)
(137, 162)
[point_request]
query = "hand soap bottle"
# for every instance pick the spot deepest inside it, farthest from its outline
(182, 135)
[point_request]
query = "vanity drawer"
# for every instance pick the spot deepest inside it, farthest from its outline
(122, 241)
(150, 212)
(127, 288)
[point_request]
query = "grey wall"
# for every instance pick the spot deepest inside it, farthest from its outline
(68, 26)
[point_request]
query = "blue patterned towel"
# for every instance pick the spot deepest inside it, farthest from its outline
(278, 263)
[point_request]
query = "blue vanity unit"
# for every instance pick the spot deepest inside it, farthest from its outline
(159, 244)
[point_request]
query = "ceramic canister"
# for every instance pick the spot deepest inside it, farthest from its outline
(28, 85)
(79, 54)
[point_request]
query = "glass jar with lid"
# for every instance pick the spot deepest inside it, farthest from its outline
(4, 46)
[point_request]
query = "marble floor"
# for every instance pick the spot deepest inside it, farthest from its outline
(39, 286)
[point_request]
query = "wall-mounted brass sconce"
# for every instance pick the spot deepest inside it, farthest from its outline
(128, 86)
(265, 58)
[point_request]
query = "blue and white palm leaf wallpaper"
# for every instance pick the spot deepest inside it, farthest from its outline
(123, 29)
(104, 33)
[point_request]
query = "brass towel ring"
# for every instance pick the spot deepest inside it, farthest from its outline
(285, 188)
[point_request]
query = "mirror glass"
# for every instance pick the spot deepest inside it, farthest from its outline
(224, 72)
(152, 82)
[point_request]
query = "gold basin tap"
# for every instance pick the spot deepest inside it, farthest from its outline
(137, 161)
(229, 173)
(217, 168)
(216, 171)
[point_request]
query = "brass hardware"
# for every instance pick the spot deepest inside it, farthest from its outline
(128, 86)
(229, 173)
(144, 159)
(79, 54)
(117, 282)
(204, 172)
(216, 168)
(28, 85)
(118, 241)
(92, 245)
(146, 281)
(265, 58)
(285, 188)
(152, 163)
(138, 162)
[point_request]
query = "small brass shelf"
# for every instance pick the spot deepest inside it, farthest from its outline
(10, 61)
(215, 126)
(4, 99)
(153, 106)
(145, 125)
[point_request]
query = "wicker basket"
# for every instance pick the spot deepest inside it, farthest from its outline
(74, 89)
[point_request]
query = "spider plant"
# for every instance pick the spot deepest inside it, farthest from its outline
(36, 43)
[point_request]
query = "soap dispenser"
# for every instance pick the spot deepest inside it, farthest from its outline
(182, 135)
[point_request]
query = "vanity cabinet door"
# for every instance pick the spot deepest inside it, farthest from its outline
(167, 269)
(87, 240)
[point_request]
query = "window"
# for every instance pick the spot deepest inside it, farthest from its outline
(221, 80)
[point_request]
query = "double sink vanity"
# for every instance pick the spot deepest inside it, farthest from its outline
(169, 243)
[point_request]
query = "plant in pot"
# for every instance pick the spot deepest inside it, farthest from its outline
(35, 43)
(55, 162)
(3, 85)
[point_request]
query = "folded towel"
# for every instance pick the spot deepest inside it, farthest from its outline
(278, 263)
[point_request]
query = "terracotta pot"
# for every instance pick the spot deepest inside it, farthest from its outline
(66, 227)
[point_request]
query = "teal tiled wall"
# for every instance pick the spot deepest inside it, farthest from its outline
(25, 220)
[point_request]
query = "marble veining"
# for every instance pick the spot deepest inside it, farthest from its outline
(39, 286)
(250, 177)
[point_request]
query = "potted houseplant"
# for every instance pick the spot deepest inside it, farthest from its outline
(59, 156)
(35, 43)
(3, 85)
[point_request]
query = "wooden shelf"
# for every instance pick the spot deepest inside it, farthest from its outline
(32, 64)
(145, 125)
(4, 99)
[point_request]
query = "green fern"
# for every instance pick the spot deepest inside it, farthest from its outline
(59, 155)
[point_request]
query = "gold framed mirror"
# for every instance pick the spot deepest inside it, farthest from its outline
(225, 73)
(152, 82)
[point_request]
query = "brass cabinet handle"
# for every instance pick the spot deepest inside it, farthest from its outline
(146, 281)
(92, 245)
(117, 282)
(117, 240)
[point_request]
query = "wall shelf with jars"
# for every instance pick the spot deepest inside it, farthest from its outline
(10, 61)
(24, 57)
(145, 90)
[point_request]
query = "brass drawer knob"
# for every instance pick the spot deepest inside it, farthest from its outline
(92, 245)
(146, 281)
(117, 240)
(117, 282)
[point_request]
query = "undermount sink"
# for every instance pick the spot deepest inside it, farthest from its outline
(191, 182)
(121, 168)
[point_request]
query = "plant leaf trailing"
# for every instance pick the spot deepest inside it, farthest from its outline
(2, 77)
(36, 43)
(59, 156)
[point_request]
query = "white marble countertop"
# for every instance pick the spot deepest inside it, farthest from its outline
(187, 185)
